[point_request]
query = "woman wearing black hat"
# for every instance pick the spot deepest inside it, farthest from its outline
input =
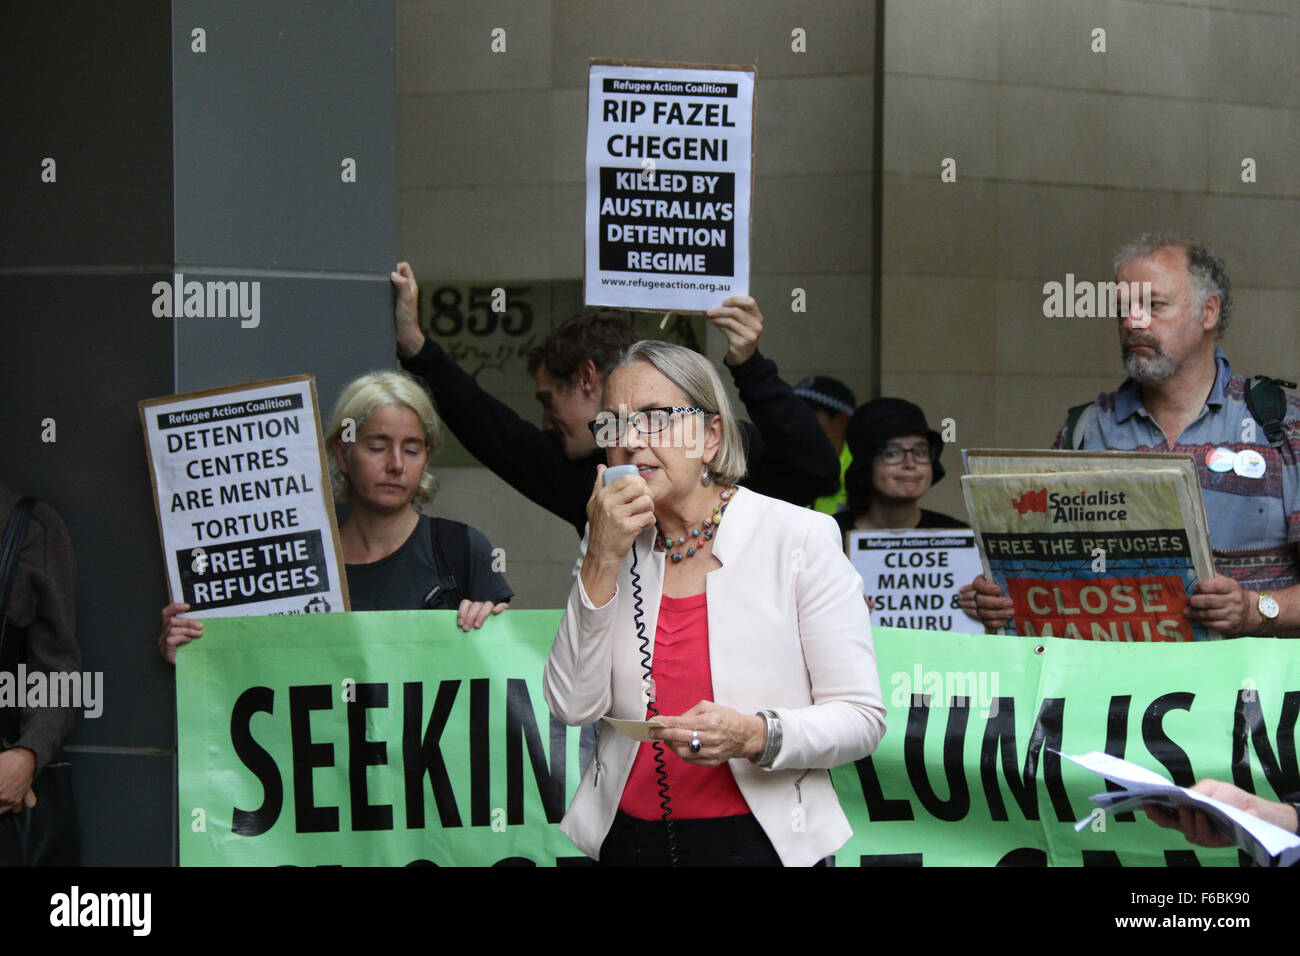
(895, 461)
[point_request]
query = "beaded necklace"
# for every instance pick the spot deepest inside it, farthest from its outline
(704, 530)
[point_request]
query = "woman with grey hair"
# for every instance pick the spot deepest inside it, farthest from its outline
(382, 439)
(730, 620)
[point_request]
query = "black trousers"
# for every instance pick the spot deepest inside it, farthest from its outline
(713, 841)
(46, 834)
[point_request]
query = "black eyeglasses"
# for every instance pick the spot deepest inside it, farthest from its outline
(894, 454)
(610, 427)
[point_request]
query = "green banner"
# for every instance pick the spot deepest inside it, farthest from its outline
(394, 738)
(371, 739)
(981, 784)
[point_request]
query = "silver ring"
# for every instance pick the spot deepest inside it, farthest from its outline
(695, 744)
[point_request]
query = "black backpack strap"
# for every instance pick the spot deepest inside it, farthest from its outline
(1267, 404)
(450, 540)
(1071, 423)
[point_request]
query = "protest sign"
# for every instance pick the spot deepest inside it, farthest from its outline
(1094, 555)
(1016, 461)
(913, 577)
(243, 500)
(392, 738)
(669, 181)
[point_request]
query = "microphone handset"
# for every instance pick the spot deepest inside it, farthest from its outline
(611, 475)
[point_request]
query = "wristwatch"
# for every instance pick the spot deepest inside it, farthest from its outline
(1267, 606)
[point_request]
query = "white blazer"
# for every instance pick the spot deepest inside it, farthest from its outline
(788, 631)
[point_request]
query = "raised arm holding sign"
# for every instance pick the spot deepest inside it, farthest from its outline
(554, 465)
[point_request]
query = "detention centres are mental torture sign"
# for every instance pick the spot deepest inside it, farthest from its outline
(242, 498)
(669, 181)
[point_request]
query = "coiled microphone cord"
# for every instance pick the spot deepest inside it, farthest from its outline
(661, 767)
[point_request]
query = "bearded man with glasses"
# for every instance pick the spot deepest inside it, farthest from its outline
(1182, 396)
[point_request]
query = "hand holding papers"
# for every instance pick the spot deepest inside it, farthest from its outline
(1266, 843)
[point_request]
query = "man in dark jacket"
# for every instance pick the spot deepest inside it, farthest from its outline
(555, 465)
(40, 635)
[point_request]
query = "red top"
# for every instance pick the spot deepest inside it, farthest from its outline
(683, 678)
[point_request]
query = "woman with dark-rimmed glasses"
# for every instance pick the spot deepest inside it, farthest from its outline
(895, 462)
(732, 619)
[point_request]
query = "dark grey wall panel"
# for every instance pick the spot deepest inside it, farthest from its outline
(83, 350)
(262, 121)
(264, 118)
(125, 808)
(87, 84)
(335, 329)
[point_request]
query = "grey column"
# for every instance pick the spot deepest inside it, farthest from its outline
(225, 164)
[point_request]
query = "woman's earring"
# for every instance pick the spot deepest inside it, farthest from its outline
(705, 476)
